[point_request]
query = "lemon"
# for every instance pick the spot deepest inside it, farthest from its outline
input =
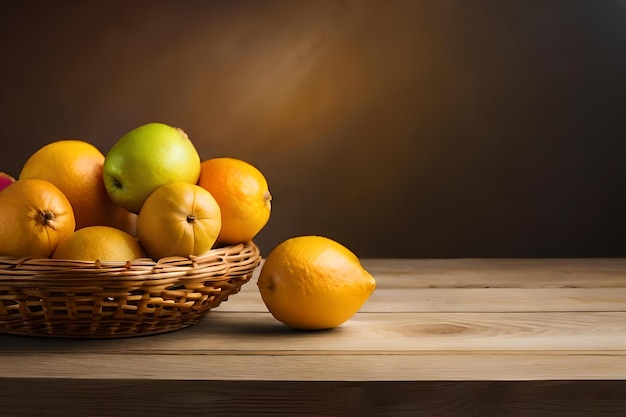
(178, 219)
(102, 243)
(313, 283)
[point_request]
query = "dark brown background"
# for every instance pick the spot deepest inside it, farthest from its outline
(399, 128)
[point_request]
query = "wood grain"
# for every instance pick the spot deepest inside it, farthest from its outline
(385, 300)
(504, 273)
(388, 346)
(393, 333)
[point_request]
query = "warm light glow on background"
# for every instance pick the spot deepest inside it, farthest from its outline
(398, 128)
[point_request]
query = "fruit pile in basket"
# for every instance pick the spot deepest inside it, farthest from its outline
(150, 196)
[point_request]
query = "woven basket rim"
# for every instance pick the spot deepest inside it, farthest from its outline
(211, 255)
(141, 268)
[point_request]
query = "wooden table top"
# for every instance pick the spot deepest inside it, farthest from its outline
(428, 322)
(462, 319)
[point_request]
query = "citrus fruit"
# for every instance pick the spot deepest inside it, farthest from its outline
(145, 158)
(243, 195)
(75, 167)
(313, 283)
(34, 217)
(102, 243)
(178, 219)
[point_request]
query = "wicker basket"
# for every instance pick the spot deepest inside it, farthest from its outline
(48, 297)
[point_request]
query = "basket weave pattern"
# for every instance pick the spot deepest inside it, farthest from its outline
(48, 297)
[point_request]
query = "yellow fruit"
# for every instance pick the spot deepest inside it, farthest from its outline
(242, 193)
(34, 217)
(313, 283)
(102, 243)
(178, 219)
(75, 167)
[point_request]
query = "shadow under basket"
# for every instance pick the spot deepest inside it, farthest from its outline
(50, 297)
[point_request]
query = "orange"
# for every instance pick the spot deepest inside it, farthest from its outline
(243, 195)
(102, 243)
(313, 283)
(34, 217)
(178, 219)
(75, 167)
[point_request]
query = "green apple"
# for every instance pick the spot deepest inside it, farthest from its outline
(145, 158)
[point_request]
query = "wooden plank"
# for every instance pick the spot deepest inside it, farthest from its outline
(120, 397)
(321, 366)
(491, 273)
(416, 300)
(505, 273)
(391, 333)
(463, 285)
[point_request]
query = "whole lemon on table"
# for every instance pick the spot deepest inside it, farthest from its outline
(313, 282)
(145, 158)
(75, 167)
(34, 217)
(178, 219)
(243, 195)
(102, 243)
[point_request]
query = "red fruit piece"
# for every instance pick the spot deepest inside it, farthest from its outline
(5, 180)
